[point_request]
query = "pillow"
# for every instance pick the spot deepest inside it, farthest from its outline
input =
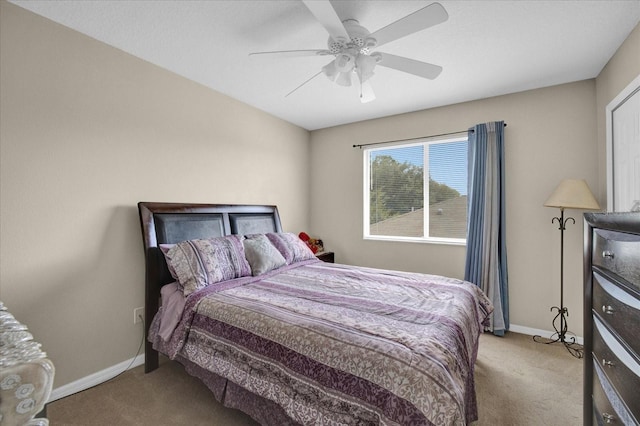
(164, 248)
(290, 246)
(199, 263)
(262, 255)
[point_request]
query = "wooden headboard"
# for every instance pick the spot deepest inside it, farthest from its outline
(171, 223)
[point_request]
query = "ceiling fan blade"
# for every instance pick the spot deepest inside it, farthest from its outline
(305, 82)
(293, 53)
(327, 16)
(366, 92)
(417, 21)
(411, 66)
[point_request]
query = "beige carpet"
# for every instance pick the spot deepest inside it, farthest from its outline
(518, 382)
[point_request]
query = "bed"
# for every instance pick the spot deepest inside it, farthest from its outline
(289, 339)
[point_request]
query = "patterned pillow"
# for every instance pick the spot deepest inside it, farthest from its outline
(291, 247)
(262, 255)
(164, 248)
(199, 263)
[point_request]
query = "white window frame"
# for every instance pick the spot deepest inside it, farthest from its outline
(367, 191)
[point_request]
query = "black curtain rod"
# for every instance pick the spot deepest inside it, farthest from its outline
(419, 137)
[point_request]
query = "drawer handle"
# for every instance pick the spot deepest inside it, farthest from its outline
(608, 254)
(606, 363)
(608, 418)
(607, 309)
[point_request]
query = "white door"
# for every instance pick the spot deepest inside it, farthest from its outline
(623, 150)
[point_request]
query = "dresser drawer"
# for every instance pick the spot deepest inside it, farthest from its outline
(621, 368)
(619, 309)
(618, 252)
(608, 408)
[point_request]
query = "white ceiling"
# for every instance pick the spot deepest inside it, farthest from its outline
(487, 48)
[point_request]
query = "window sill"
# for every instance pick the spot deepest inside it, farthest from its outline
(441, 241)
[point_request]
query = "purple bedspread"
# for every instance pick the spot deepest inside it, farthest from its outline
(337, 344)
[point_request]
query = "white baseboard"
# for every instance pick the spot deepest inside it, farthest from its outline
(544, 333)
(95, 378)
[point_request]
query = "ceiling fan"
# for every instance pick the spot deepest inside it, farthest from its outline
(352, 46)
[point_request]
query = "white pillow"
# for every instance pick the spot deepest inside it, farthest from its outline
(262, 255)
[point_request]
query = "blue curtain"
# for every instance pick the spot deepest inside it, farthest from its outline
(486, 261)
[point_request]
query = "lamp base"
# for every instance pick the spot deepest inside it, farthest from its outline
(560, 336)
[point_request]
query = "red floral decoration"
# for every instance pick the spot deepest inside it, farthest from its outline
(314, 244)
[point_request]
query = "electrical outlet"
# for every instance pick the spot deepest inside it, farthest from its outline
(137, 314)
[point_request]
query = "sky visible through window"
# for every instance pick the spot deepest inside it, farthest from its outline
(444, 161)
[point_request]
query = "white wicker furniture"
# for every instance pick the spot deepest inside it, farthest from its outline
(26, 375)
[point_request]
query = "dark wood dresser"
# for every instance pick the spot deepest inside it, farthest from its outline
(612, 319)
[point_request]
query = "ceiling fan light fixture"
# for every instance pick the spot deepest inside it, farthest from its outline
(344, 79)
(364, 67)
(330, 70)
(345, 62)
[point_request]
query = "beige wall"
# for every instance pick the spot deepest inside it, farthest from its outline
(551, 135)
(87, 131)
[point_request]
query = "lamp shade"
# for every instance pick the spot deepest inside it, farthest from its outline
(572, 194)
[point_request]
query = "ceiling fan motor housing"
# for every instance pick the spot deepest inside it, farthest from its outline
(359, 42)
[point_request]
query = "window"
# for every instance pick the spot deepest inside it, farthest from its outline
(400, 180)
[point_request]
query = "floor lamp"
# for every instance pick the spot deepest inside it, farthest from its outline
(569, 194)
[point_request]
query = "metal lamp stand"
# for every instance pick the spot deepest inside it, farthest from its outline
(560, 335)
